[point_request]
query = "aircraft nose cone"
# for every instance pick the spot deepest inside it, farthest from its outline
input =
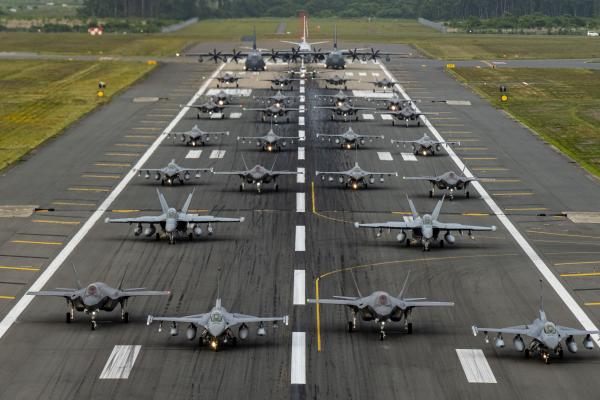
(427, 232)
(215, 331)
(90, 301)
(170, 226)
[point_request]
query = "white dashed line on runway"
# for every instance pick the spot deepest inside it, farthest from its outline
(301, 153)
(302, 89)
(362, 74)
(301, 121)
(475, 365)
(302, 81)
(298, 369)
(302, 99)
(409, 157)
(299, 287)
(301, 134)
(385, 156)
(387, 117)
(300, 202)
(120, 362)
(368, 117)
(349, 73)
(301, 177)
(193, 154)
(301, 108)
(235, 115)
(300, 238)
(217, 154)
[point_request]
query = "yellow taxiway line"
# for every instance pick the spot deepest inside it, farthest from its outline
(11, 267)
(36, 242)
(53, 221)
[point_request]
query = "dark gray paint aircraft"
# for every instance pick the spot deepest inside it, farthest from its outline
(344, 110)
(282, 81)
(221, 98)
(403, 111)
(425, 145)
(338, 99)
(216, 325)
(425, 229)
(258, 175)
(354, 177)
(228, 79)
(273, 112)
(349, 138)
(210, 107)
(381, 307)
(449, 181)
(269, 142)
(547, 337)
(335, 80)
(384, 83)
(278, 99)
(172, 222)
(97, 296)
(196, 136)
(172, 172)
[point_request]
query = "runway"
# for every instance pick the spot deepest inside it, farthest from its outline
(264, 259)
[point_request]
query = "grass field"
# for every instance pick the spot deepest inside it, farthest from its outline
(562, 105)
(38, 99)
(429, 41)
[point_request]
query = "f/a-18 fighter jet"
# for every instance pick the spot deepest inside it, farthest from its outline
(258, 175)
(349, 138)
(425, 145)
(273, 112)
(335, 80)
(216, 326)
(172, 172)
(172, 222)
(96, 297)
(228, 79)
(449, 181)
(384, 83)
(381, 307)
(282, 81)
(269, 142)
(425, 229)
(547, 337)
(196, 136)
(354, 177)
(344, 110)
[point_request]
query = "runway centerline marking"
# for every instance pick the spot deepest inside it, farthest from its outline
(217, 154)
(301, 134)
(552, 280)
(44, 277)
(298, 369)
(300, 202)
(475, 366)
(193, 154)
(299, 287)
(53, 221)
(301, 153)
(385, 156)
(408, 157)
(301, 121)
(301, 177)
(300, 238)
(120, 362)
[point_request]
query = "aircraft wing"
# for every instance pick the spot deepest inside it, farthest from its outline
(55, 293)
(369, 173)
(342, 302)
(388, 225)
(240, 173)
(411, 304)
(207, 218)
(235, 319)
(198, 319)
(277, 173)
(142, 292)
(513, 330)
(566, 331)
(422, 178)
(147, 220)
(460, 227)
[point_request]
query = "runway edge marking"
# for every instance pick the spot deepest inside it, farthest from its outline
(552, 280)
(38, 285)
(120, 362)
(475, 366)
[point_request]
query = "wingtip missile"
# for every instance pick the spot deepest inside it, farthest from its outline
(149, 320)
(357, 224)
(475, 330)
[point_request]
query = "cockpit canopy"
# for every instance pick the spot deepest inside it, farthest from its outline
(427, 219)
(91, 290)
(549, 328)
(383, 299)
(216, 317)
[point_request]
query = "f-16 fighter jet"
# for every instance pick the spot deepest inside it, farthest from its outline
(344, 110)
(381, 307)
(425, 145)
(425, 229)
(273, 112)
(269, 142)
(216, 326)
(258, 175)
(172, 172)
(355, 177)
(96, 297)
(196, 136)
(403, 111)
(279, 99)
(172, 222)
(449, 181)
(228, 79)
(349, 138)
(211, 107)
(547, 337)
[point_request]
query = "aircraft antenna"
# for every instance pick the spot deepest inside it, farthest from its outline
(541, 295)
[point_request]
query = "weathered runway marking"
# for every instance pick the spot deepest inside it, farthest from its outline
(302, 81)
(53, 221)
(301, 202)
(140, 136)
(385, 156)
(512, 194)
(7, 297)
(368, 117)
(362, 74)
(580, 274)
(298, 373)
(88, 189)
(349, 73)
(576, 263)
(301, 134)
(299, 287)
(489, 169)
(108, 164)
(120, 362)
(301, 109)
(302, 99)
(116, 154)
(235, 115)
(375, 73)
(217, 154)
(301, 121)
(193, 154)
(408, 157)
(96, 176)
(41, 281)
(36, 242)
(73, 203)
(475, 366)
(300, 238)
(525, 208)
(302, 90)
(480, 158)
(301, 153)
(541, 266)
(301, 177)
(387, 117)
(131, 145)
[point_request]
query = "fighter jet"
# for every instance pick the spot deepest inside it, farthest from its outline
(381, 307)
(336, 80)
(278, 99)
(196, 136)
(425, 229)
(338, 99)
(258, 175)
(354, 177)
(216, 325)
(305, 50)
(450, 181)
(404, 111)
(344, 110)
(546, 337)
(273, 112)
(97, 296)
(221, 98)
(384, 83)
(172, 172)
(228, 79)
(349, 138)
(172, 222)
(425, 145)
(211, 107)
(282, 81)
(269, 142)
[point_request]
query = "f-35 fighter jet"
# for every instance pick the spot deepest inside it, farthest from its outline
(349, 138)
(425, 229)
(336, 80)
(449, 181)
(425, 145)
(228, 79)
(384, 83)
(172, 172)
(355, 177)
(196, 136)
(258, 175)
(172, 222)
(381, 307)
(282, 81)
